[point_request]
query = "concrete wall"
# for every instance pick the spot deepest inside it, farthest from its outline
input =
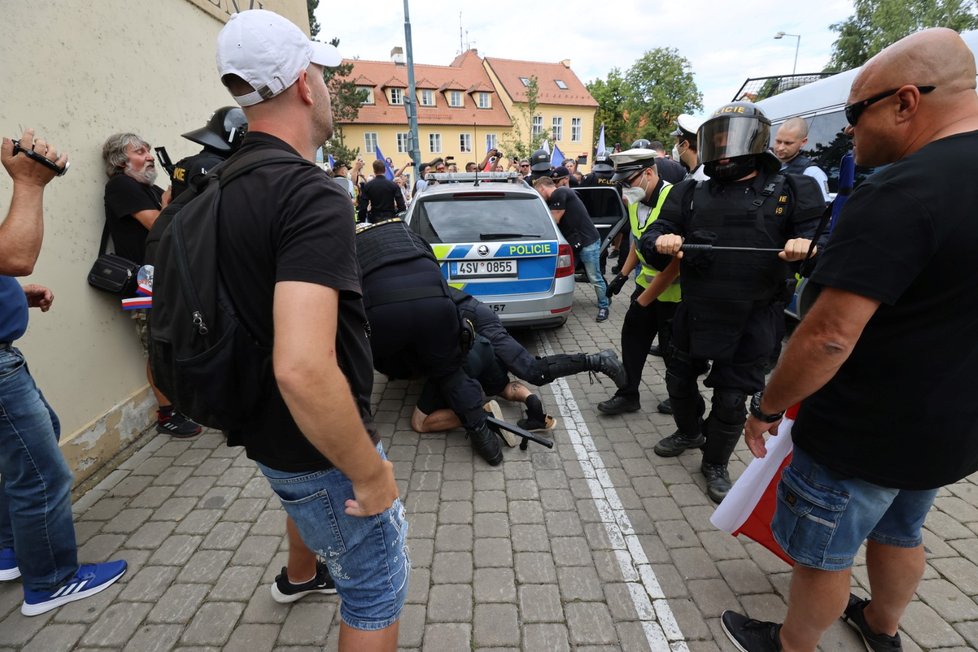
(77, 72)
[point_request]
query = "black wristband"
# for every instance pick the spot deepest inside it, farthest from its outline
(755, 410)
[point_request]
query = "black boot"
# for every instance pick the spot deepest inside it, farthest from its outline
(664, 407)
(485, 441)
(605, 362)
(721, 439)
(688, 413)
(678, 443)
(618, 404)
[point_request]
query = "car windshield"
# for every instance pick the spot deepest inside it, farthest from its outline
(463, 217)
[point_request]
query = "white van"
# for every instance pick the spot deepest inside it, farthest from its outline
(821, 104)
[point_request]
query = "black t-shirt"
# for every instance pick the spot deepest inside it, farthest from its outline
(384, 198)
(286, 222)
(576, 224)
(123, 197)
(901, 411)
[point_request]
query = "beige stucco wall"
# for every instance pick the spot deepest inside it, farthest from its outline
(77, 71)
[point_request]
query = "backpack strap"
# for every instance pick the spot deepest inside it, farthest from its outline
(241, 165)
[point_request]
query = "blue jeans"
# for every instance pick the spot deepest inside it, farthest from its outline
(822, 518)
(367, 557)
(35, 481)
(590, 256)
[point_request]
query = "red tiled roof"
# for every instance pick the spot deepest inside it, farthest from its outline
(466, 73)
(509, 72)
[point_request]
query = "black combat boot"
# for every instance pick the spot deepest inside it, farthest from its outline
(485, 441)
(688, 414)
(619, 404)
(605, 362)
(721, 439)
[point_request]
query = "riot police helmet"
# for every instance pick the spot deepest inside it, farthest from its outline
(735, 140)
(223, 132)
(540, 161)
(642, 143)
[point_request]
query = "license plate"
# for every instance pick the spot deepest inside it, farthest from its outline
(485, 269)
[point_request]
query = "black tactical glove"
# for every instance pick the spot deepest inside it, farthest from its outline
(615, 286)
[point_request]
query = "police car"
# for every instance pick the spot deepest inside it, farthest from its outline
(495, 239)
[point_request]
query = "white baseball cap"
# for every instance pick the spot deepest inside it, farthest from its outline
(687, 123)
(268, 51)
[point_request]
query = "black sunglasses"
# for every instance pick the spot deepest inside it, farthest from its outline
(854, 110)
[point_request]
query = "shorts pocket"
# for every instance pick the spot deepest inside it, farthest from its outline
(807, 518)
(307, 500)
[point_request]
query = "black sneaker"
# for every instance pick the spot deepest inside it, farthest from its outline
(655, 350)
(874, 642)
(619, 405)
(602, 314)
(676, 444)
(177, 425)
(749, 635)
(284, 591)
(664, 407)
(717, 481)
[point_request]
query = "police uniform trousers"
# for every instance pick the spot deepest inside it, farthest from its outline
(420, 337)
(732, 381)
(640, 327)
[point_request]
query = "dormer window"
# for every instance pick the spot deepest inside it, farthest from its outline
(397, 96)
(427, 97)
(455, 98)
(368, 92)
(483, 99)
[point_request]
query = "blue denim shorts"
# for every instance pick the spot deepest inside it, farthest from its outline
(822, 517)
(367, 557)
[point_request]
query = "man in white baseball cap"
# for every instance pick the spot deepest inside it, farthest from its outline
(288, 258)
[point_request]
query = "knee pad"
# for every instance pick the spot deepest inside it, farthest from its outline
(729, 406)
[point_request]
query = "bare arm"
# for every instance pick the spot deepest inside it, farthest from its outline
(557, 214)
(23, 229)
(318, 394)
(147, 217)
(659, 284)
(819, 346)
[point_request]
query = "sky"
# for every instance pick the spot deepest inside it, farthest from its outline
(725, 43)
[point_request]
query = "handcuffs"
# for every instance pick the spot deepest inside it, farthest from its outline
(43, 160)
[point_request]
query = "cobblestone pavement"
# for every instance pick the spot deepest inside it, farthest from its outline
(594, 545)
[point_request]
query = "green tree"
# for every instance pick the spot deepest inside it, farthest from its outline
(346, 100)
(517, 144)
(611, 98)
(311, 6)
(878, 23)
(658, 87)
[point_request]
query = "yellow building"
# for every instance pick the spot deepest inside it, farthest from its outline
(467, 107)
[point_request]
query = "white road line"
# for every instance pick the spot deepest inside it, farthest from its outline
(661, 629)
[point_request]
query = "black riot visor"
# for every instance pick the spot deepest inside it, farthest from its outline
(730, 136)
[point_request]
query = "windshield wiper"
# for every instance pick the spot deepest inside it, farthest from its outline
(505, 236)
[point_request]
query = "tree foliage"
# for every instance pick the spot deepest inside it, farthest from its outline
(645, 101)
(314, 26)
(879, 23)
(517, 144)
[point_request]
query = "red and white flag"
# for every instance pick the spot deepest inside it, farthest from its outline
(749, 507)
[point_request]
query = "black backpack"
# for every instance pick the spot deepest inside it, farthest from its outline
(203, 358)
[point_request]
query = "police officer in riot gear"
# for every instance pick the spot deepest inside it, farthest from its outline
(221, 136)
(414, 325)
(653, 303)
(539, 166)
(601, 172)
(730, 299)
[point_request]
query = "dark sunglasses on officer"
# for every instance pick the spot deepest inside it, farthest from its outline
(856, 109)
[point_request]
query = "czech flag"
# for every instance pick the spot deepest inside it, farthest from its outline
(749, 507)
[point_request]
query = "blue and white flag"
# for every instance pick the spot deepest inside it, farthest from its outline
(388, 172)
(601, 146)
(332, 161)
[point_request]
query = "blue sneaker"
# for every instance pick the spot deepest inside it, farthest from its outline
(8, 565)
(89, 580)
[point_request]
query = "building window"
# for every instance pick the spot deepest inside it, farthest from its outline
(403, 142)
(484, 101)
(397, 96)
(427, 98)
(525, 81)
(465, 142)
(434, 143)
(558, 127)
(560, 84)
(537, 129)
(370, 141)
(455, 98)
(575, 130)
(369, 90)
(490, 141)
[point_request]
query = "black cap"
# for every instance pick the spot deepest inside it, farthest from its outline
(560, 172)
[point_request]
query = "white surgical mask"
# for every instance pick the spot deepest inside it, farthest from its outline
(675, 152)
(633, 195)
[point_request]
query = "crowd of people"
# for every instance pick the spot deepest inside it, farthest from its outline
(715, 235)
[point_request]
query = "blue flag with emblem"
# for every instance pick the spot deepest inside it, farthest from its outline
(388, 172)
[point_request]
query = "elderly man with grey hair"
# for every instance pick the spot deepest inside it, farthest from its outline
(132, 204)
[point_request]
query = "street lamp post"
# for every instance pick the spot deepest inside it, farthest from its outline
(781, 35)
